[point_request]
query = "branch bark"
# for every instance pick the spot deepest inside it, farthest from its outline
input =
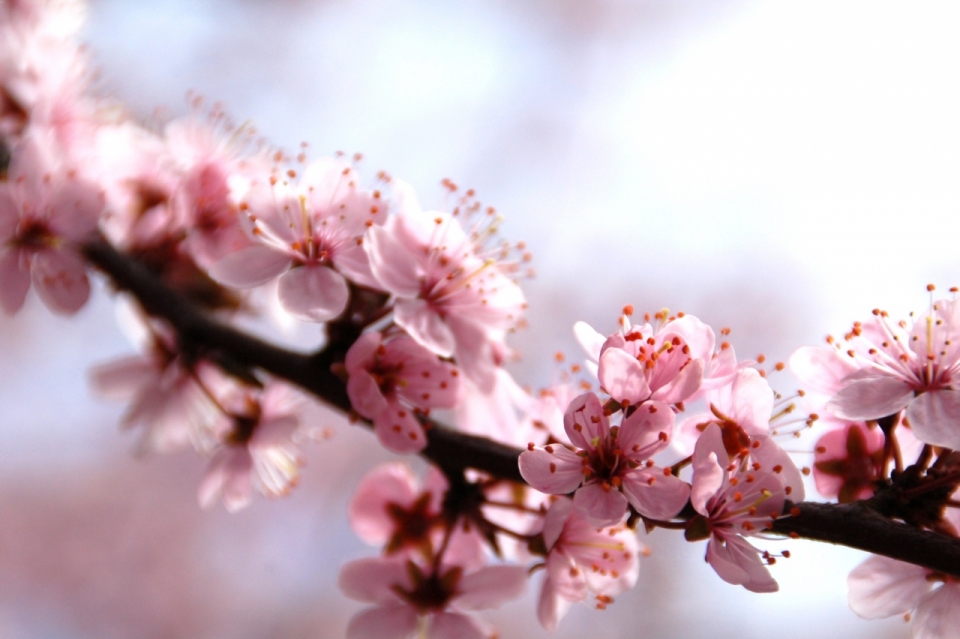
(855, 525)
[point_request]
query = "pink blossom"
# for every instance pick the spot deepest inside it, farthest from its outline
(257, 450)
(451, 299)
(848, 461)
(415, 601)
(584, 562)
(663, 362)
(167, 396)
(610, 467)
(388, 379)
(310, 235)
(882, 587)
(912, 369)
(45, 212)
(737, 492)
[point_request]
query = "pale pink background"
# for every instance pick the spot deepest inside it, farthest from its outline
(779, 168)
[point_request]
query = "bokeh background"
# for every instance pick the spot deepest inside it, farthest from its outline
(779, 168)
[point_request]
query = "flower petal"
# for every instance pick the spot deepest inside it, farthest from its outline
(622, 377)
(491, 587)
(249, 267)
(425, 326)
(871, 397)
(14, 282)
(883, 587)
(395, 621)
(935, 418)
(313, 293)
(938, 615)
(554, 470)
(60, 278)
(398, 430)
(654, 494)
(599, 506)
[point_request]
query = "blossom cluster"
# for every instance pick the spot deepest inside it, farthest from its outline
(661, 425)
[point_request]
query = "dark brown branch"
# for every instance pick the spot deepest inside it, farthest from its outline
(856, 525)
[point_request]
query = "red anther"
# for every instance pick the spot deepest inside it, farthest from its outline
(930, 288)
(553, 467)
(761, 358)
(530, 446)
(795, 511)
(549, 449)
(794, 535)
(663, 436)
(778, 469)
(628, 310)
(780, 366)
(786, 554)
(668, 471)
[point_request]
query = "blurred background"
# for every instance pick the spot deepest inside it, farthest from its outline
(779, 168)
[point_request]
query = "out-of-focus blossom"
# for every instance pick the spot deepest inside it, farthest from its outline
(737, 493)
(584, 562)
(848, 461)
(257, 449)
(415, 601)
(882, 587)
(390, 378)
(609, 469)
(167, 396)
(310, 235)
(450, 298)
(45, 212)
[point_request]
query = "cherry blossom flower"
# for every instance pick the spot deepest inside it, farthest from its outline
(390, 378)
(451, 299)
(257, 449)
(45, 211)
(584, 562)
(167, 395)
(905, 368)
(882, 587)
(738, 490)
(663, 362)
(310, 235)
(848, 461)
(610, 467)
(412, 600)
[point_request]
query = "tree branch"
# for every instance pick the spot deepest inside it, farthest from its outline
(855, 525)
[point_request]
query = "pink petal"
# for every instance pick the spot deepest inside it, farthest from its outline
(392, 263)
(584, 421)
(229, 475)
(752, 400)
(871, 398)
(365, 395)
(393, 621)
(491, 587)
(646, 431)
(60, 279)
(821, 369)
(250, 267)
(554, 521)
(685, 384)
(556, 473)
(938, 615)
(14, 281)
(698, 336)
(384, 485)
(662, 499)
(398, 430)
(313, 293)
(738, 563)
(708, 477)
(372, 580)
(425, 326)
(882, 587)
(9, 213)
(122, 378)
(551, 608)
(622, 376)
(363, 352)
(75, 209)
(935, 418)
(599, 506)
(450, 625)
